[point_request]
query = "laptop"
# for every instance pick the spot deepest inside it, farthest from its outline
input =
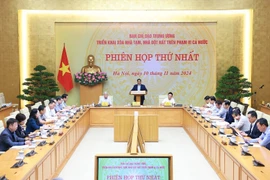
(240, 135)
(234, 131)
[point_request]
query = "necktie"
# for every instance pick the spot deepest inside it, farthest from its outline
(22, 131)
(250, 129)
(13, 136)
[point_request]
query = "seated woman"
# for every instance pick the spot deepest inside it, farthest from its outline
(20, 132)
(33, 123)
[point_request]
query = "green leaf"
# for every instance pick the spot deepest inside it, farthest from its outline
(40, 86)
(233, 86)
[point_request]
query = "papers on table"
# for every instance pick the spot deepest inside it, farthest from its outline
(215, 118)
(38, 140)
(20, 157)
(221, 123)
(256, 145)
(56, 128)
(20, 147)
(6, 104)
(32, 146)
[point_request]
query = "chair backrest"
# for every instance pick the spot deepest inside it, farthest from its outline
(259, 114)
(15, 113)
(233, 104)
(1, 126)
(161, 98)
(46, 102)
(24, 110)
(27, 114)
(2, 99)
(250, 109)
(241, 107)
(111, 97)
(38, 103)
(7, 118)
(267, 117)
(35, 106)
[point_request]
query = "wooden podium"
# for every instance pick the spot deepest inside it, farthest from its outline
(90, 94)
(138, 95)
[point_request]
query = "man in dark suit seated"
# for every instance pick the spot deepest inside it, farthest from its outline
(139, 87)
(253, 132)
(8, 137)
(229, 109)
(264, 139)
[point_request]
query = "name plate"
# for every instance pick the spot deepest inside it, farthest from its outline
(138, 92)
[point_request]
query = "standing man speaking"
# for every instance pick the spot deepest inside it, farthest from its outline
(139, 87)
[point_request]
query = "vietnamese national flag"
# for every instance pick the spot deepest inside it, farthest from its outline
(64, 74)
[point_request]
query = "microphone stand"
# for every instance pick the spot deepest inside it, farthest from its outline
(255, 100)
(255, 97)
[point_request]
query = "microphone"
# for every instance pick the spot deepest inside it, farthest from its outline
(256, 162)
(261, 86)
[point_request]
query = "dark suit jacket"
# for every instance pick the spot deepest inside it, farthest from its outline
(32, 125)
(7, 140)
(229, 117)
(143, 88)
(20, 132)
(255, 132)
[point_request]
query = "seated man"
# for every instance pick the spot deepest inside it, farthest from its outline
(50, 112)
(169, 100)
(42, 117)
(264, 138)
(20, 131)
(8, 137)
(229, 109)
(105, 99)
(219, 111)
(253, 131)
(64, 100)
(240, 121)
(207, 101)
(58, 105)
(212, 104)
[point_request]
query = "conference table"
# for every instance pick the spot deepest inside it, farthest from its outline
(226, 160)
(50, 159)
(265, 109)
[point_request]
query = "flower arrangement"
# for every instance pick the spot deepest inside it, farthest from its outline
(90, 79)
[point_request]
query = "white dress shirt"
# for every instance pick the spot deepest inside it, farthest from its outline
(102, 99)
(172, 101)
(253, 124)
(221, 113)
(49, 112)
(209, 105)
(265, 137)
(64, 104)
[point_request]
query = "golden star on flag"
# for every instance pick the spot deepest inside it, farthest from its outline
(64, 69)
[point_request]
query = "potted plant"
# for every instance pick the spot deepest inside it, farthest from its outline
(233, 86)
(40, 86)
